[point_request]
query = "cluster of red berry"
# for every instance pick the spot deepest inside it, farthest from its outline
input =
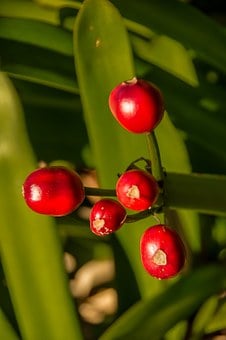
(57, 191)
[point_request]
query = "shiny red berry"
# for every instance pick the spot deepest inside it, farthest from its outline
(54, 191)
(137, 189)
(107, 216)
(137, 105)
(162, 252)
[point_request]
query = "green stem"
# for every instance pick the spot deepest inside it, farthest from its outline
(112, 193)
(138, 29)
(201, 192)
(143, 214)
(99, 192)
(155, 157)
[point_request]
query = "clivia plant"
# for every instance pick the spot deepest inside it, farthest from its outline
(126, 109)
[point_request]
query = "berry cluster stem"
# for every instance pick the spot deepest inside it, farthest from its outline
(143, 214)
(155, 157)
(89, 191)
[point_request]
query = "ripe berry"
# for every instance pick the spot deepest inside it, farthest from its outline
(107, 216)
(137, 105)
(55, 191)
(137, 189)
(162, 251)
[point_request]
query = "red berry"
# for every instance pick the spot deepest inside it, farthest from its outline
(162, 251)
(137, 105)
(107, 216)
(55, 191)
(137, 189)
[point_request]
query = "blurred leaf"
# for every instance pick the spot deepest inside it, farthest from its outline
(63, 136)
(167, 54)
(40, 76)
(218, 321)
(36, 33)
(6, 330)
(103, 59)
(202, 126)
(6, 302)
(30, 248)
(76, 228)
(38, 65)
(130, 293)
(202, 192)
(176, 303)
(204, 317)
(219, 231)
(175, 158)
(177, 332)
(166, 131)
(28, 9)
(173, 18)
(58, 3)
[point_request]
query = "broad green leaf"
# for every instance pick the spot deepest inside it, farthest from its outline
(201, 192)
(173, 18)
(103, 59)
(127, 294)
(204, 317)
(58, 3)
(177, 332)
(218, 321)
(36, 33)
(166, 132)
(155, 316)
(39, 76)
(30, 248)
(205, 128)
(29, 10)
(6, 330)
(175, 158)
(40, 65)
(64, 135)
(167, 54)
(219, 230)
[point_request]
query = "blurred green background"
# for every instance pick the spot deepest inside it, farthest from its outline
(59, 61)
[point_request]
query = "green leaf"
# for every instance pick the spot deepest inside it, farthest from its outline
(64, 135)
(218, 321)
(58, 3)
(169, 55)
(219, 231)
(103, 59)
(173, 18)
(41, 66)
(166, 131)
(177, 332)
(204, 317)
(36, 33)
(176, 303)
(192, 191)
(203, 127)
(29, 10)
(40, 76)
(6, 330)
(175, 158)
(31, 252)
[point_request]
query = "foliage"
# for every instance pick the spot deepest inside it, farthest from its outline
(59, 61)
